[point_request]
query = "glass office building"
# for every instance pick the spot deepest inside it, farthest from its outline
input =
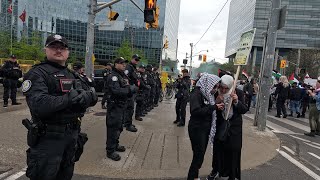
(302, 29)
(69, 19)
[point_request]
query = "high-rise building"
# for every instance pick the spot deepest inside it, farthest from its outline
(69, 19)
(301, 31)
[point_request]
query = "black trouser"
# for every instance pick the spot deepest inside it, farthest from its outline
(53, 158)
(199, 140)
(249, 99)
(129, 112)
(152, 95)
(104, 98)
(139, 105)
(281, 107)
(157, 95)
(304, 106)
(181, 106)
(114, 121)
(270, 103)
(10, 86)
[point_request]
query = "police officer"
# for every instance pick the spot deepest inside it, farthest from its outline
(183, 94)
(11, 72)
(57, 98)
(152, 84)
(119, 90)
(106, 73)
(131, 72)
(158, 86)
(78, 67)
(143, 90)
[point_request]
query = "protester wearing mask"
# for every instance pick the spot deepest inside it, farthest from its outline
(227, 152)
(203, 114)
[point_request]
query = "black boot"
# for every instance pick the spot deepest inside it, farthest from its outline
(311, 134)
(175, 122)
(180, 124)
(114, 156)
(5, 104)
(15, 103)
(121, 148)
(298, 115)
(131, 128)
(138, 118)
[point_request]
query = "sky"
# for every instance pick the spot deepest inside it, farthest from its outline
(195, 18)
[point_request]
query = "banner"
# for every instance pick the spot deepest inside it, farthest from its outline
(244, 49)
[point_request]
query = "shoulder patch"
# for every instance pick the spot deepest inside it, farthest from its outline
(126, 72)
(26, 85)
(114, 78)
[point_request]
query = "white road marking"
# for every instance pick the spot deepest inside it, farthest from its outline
(314, 155)
(305, 140)
(312, 145)
(299, 165)
(292, 123)
(17, 175)
(289, 150)
(5, 174)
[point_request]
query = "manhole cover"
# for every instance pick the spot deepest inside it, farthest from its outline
(100, 114)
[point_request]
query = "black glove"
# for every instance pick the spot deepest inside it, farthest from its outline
(73, 96)
(88, 98)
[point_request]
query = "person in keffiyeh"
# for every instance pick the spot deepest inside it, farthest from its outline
(203, 114)
(227, 154)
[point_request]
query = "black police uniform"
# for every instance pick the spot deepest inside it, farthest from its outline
(105, 74)
(142, 94)
(11, 72)
(152, 84)
(182, 96)
(119, 92)
(131, 72)
(158, 88)
(57, 98)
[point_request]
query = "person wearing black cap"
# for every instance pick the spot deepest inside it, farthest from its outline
(142, 93)
(158, 86)
(78, 67)
(119, 91)
(57, 98)
(106, 73)
(11, 72)
(131, 72)
(182, 96)
(152, 83)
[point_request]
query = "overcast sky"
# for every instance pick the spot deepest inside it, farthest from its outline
(195, 18)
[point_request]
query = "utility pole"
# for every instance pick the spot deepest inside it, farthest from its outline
(191, 45)
(298, 62)
(266, 78)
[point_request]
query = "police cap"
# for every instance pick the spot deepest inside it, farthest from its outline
(120, 60)
(77, 65)
(56, 38)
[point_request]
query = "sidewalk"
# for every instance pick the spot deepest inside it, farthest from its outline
(160, 149)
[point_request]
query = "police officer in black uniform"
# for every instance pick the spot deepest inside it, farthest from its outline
(152, 84)
(158, 88)
(143, 91)
(131, 72)
(182, 96)
(119, 90)
(57, 98)
(106, 73)
(78, 67)
(11, 72)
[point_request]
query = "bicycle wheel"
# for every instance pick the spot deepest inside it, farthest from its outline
(161, 96)
(169, 94)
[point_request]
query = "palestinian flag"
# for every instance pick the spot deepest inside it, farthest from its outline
(276, 74)
(244, 72)
(292, 79)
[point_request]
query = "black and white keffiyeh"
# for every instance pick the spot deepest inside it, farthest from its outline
(206, 84)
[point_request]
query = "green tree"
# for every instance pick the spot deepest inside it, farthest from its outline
(125, 51)
(5, 44)
(229, 67)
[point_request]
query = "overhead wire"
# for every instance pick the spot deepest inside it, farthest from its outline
(212, 22)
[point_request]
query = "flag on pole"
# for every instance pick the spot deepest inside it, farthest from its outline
(276, 74)
(23, 15)
(10, 9)
(245, 74)
(293, 79)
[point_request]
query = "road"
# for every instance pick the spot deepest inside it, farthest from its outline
(299, 155)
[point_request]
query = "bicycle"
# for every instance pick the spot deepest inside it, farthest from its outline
(169, 92)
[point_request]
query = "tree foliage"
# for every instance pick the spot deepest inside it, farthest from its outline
(229, 66)
(126, 52)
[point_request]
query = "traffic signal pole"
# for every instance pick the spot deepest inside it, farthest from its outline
(266, 78)
(191, 45)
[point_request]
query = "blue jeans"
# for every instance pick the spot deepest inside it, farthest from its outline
(254, 100)
(295, 106)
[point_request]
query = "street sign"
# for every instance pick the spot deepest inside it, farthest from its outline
(283, 64)
(244, 49)
(111, 26)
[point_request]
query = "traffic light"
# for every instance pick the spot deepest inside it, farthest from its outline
(204, 58)
(150, 11)
(166, 44)
(155, 23)
(113, 15)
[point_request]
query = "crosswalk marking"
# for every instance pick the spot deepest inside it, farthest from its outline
(314, 155)
(279, 129)
(292, 123)
(312, 145)
(289, 150)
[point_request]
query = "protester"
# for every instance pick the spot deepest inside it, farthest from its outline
(282, 92)
(248, 90)
(295, 99)
(227, 152)
(255, 92)
(203, 114)
(305, 99)
(314, 111)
